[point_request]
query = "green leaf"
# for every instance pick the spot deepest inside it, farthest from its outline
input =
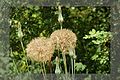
(34, 15)
(92, 32)
(99, 49)
(79, 66)
(94, 57)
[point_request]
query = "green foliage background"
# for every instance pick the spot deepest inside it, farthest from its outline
(42, 21)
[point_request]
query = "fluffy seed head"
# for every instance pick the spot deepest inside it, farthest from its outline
(40, 49)
(64, 39)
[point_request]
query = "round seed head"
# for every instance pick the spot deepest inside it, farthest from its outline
(64, 39)
(40, 49)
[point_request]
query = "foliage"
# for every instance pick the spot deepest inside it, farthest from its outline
(79, 66)
(92, 50)
(100, 38)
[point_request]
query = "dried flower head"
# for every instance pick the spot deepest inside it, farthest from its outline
(40, 49)
(64, 39)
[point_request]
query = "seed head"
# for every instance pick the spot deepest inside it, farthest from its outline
(40, 49)
(64, 39)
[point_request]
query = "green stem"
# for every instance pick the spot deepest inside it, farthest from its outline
(74, 61)
(44, 71)
(72, 64)
(60, 25)
(22, 45)
(23, 50)
(44, 68)
(65, 65)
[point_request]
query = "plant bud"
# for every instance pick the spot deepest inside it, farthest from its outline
(60, 17)
(71, 53)
(74, 57)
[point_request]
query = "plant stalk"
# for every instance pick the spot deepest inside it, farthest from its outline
(44, 71)
(65, 65)
(23, 51)
(60, 25)
(72, 65)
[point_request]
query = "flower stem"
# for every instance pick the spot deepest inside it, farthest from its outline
(72, 64)
(22, 45)
(23, 51)
(65, 65)
(44, 68)
(61, 25)
(44, 71)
